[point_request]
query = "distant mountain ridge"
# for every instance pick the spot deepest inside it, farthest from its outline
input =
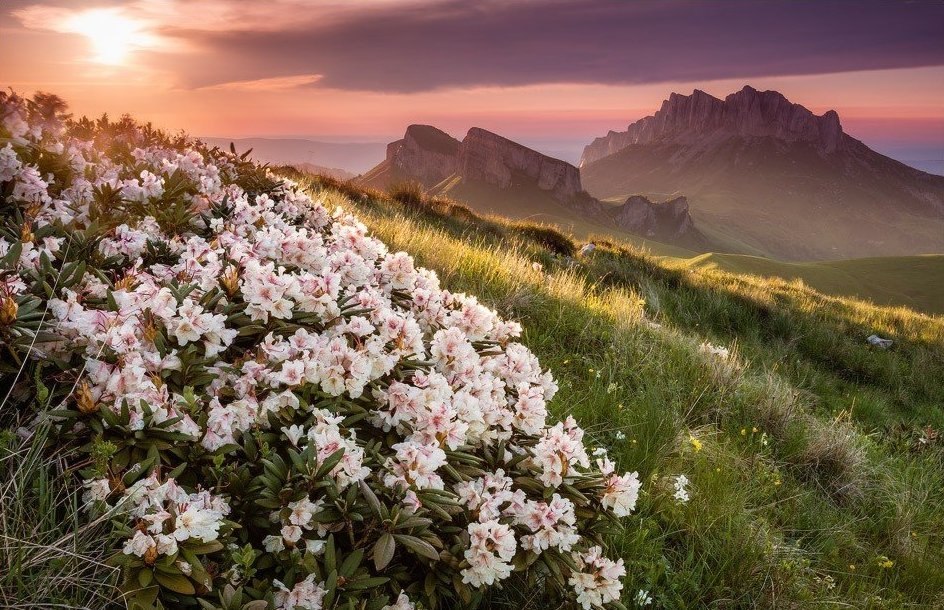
(350, 157)
(496, 175)
(766, 176)
(700, 118)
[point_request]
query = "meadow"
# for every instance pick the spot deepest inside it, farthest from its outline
(784, 462)
(813, 456)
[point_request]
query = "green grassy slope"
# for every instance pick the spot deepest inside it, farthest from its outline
(816, 477)
(913, 281)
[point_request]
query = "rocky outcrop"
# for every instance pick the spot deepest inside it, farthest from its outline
(425, 154)
(665, 220)
(430, 156)
(492, 159)
(703, 118)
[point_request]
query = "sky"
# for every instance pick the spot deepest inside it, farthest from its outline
(551, 73)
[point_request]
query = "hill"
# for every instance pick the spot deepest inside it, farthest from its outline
(768, 177)
(916, 282)
(493, 174)
(251, 372)
(813, 455)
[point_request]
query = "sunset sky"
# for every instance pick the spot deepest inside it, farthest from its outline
(558, 72)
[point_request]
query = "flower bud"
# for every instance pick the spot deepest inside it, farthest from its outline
(8, 310)
(84, 399)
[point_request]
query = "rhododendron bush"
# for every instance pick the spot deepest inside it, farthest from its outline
(272, 405)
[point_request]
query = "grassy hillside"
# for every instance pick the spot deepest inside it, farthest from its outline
(910, 281)
(914, 281)
(816, 471)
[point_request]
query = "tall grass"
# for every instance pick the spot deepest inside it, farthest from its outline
(802, 498)
(51, 555)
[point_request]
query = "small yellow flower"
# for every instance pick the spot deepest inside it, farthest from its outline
(777, 482)
(852, 567)
(885, 563)
(696, 443)
(754, 430)
(743, 431)
(634, 441)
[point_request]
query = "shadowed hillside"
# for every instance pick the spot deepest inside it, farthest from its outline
(768, 177)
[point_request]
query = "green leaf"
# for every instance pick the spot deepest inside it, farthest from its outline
(178, 583)
(373, 501)
(418, 546)
(383, 551)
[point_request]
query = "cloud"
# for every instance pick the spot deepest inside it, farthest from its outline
(278, 83)
(414, 47)
(410, 46)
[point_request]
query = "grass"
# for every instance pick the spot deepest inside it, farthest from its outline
(914, 281)
(51, 556)
(815, 479)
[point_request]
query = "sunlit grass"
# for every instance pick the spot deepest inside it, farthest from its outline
(810, 485)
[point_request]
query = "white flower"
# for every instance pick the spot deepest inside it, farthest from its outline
(294, 433)
(621, 493)
(402, 603)
(96, 490)
(598, 580)
(642, 598)
(492, 546)
(681, 494)
(197, 523)
(138, 545)
(305, 595)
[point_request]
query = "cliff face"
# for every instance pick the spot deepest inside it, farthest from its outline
(425, 153)
(703, 118)
(667, 220)
(766, 176)
(430, 156)
(495, 160)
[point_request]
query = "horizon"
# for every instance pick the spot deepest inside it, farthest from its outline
(557, 86)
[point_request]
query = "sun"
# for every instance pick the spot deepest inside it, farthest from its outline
(113, 35)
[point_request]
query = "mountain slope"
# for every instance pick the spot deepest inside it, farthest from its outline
(916, 282)
(811, 487)
(495, 175)
(768, 177)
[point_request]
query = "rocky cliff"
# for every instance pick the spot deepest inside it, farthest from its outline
(705, 119)
(496, 175)
(498, 161)
(430, 156)
(425, 153)
(669, 220)
(765, 176)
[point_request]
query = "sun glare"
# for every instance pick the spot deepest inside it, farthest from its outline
(113, 36)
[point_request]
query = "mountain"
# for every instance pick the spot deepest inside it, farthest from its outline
(768, 177)
(495, 175)
(349, 157)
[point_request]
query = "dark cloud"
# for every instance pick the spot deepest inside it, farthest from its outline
(407, 48)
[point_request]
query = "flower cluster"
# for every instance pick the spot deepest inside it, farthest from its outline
(254, 371)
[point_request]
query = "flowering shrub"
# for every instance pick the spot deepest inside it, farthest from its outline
(275, 408)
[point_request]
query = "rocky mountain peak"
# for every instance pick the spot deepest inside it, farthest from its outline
(498, 161)
(701, 118)
(425, 153)
(430, 155)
